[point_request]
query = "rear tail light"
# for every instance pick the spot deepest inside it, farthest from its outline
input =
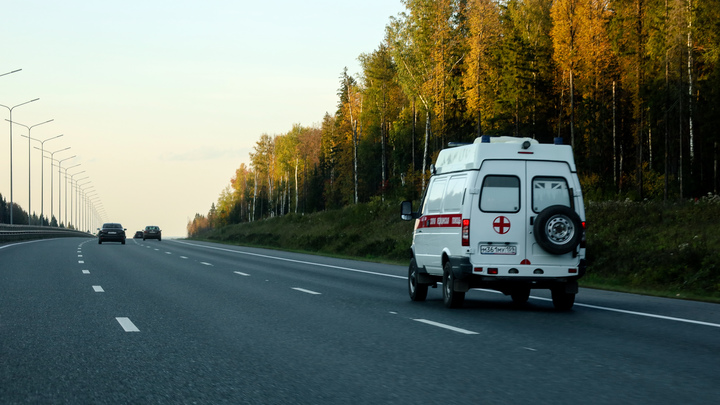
(582, 240)
(492, 270)
(466, 232)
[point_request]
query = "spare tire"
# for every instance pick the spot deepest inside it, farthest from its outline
(558, 229)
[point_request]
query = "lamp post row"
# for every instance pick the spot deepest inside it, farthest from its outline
(42, 171)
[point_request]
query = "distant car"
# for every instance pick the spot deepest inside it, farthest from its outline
(152, 232)
(111, 232)
(138, 235)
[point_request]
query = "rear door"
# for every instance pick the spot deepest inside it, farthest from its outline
(498, 225)
(549, 183)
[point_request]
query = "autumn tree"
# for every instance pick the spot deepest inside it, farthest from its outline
(483, 36)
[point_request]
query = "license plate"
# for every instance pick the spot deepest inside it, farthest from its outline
(112, 233)
(498, 250)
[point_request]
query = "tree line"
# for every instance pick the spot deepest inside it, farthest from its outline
(632, 85)
(21, 217)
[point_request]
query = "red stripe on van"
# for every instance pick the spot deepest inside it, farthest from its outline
(441, 221)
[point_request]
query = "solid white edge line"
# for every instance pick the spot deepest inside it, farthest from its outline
(442, 325)
(127, 324)
(669, 318)
(22, 243)
(296, 261)
(306, 291)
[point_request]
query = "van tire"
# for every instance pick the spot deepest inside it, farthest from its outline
(562, 301)
(418, 292)
(558, 229)
(451, 298)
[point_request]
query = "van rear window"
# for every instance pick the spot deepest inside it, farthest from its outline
(549, 191)
(500, 194)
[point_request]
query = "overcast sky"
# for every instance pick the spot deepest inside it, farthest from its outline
(162, 100)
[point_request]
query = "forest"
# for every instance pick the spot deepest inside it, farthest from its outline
(632, 85)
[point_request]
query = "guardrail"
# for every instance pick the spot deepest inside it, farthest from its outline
(11, 233)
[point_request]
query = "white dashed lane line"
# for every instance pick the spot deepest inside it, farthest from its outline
(206, 263)
(98, 288)
(127, 324)
(448, 327)
(241, 273)
(86, 271)
(306, 291)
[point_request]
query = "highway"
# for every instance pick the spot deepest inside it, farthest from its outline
(185, 322)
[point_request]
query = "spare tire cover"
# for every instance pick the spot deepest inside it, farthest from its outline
(558, 229)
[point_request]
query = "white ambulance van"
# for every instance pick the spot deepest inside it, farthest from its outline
(502, 213)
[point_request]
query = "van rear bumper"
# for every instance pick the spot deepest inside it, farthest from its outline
(524, 277)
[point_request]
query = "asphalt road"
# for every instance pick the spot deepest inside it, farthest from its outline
(182, 322)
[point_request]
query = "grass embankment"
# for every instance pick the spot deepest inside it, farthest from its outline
(670, 250)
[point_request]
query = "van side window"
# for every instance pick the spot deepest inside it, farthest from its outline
(500, 194)
(454, 194)
(549, 191)
(434, 200)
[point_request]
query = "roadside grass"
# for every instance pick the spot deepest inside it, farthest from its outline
(652, 248)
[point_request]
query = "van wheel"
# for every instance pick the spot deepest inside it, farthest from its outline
(418, 292)
(520, 296)
(558, 229)
(452, 298)
(562, 301)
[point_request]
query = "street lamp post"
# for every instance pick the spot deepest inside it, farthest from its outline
(79, 192)
(76, 194)
(52, 154)
(60, 187)
(29, 139)
(42, 175)
(11, 162)
(67, 224)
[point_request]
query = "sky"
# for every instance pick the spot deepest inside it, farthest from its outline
(161, 101)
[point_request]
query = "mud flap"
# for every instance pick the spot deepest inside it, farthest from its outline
(571, 287)
(461, 286)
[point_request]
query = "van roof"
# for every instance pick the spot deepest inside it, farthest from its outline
(471, 156)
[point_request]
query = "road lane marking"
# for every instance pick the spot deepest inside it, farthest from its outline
(86, 271)
(81, 261)
(242, 274)
(168, 253)
(79, 255)
(297, 261)
(98, 288)
(668, 318)
(127, 324)
(206, 263)
(183, 257)
(442, 325)
(23, 243)
(306, 291)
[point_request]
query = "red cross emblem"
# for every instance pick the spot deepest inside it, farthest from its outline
(501, 225)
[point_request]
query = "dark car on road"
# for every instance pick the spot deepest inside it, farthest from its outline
(111, 232)
(152, 232)
(138, 235)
